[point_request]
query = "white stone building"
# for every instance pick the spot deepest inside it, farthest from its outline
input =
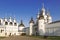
(9, 27)
(43, 25)
(21, 28)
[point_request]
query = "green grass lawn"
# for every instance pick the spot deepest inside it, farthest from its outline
(48, 38)
(54, 37)
(2, 37)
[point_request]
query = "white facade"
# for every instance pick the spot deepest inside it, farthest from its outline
(31, 29)
(53, 29)
(44, 25)
(41, 27)
(21, 28)
(9, 27)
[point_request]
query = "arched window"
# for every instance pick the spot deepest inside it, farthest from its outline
(15, 24)
(11, 23)
(0, 22)
(6, 23)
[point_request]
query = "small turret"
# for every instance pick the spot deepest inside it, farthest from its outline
(21, 28)
(14, 20)
(21, 24)
(38, 14)
(10, 19)
(43, 9)
(49, 19)
(31, 21)
(42, 13)
(1, 21)
(48, 14)
(31, 26)
(5, 19)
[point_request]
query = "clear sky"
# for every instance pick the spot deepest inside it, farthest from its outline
(24, 9)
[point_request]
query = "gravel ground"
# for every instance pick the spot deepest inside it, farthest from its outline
(22, 38)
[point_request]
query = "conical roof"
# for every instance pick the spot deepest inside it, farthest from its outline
(31, 21)
(41, 15)
(21, 24)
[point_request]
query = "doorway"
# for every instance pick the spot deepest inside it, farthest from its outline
(10, 34)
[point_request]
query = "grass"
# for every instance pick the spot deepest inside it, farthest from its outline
(47, 37)
(54, 37)
(2, 38)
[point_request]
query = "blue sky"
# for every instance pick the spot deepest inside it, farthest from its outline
(24, 9)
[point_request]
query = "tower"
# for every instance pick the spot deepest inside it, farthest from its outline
(21, 28)
(31, 26)
(5, 21)
(38, 14)
(43, 9)
(1, 21)
(10, 19)
(41, 21)
(49, 18)
(14, 20)
(42, 12)
(41, 25)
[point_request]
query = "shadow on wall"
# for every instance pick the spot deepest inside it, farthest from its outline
(54, 33)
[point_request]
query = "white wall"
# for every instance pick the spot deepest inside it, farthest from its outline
(31, 28)
(41, 27)
(3, 32)
(27, 30)
(53, 29)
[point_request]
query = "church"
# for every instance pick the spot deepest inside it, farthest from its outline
(43, 26)
(9, 27)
